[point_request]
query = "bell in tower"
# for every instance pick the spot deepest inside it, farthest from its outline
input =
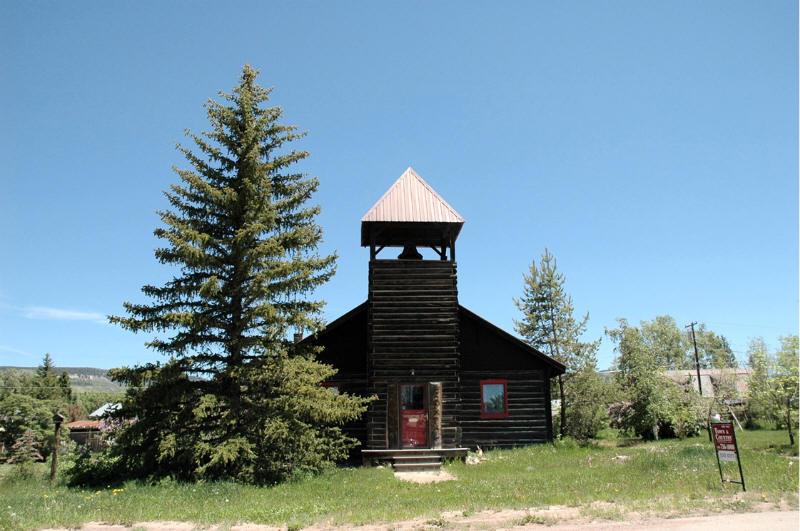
(409, 253)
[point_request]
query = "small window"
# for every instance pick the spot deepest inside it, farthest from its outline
(413, 397)
(333, 387)
(494, 399)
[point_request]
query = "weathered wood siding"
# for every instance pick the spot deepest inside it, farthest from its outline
(412, 326)
(488, 353)
(345, 347)
(527, 415)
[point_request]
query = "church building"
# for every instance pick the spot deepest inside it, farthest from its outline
(445, 379)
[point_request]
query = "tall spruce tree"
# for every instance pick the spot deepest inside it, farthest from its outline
(236, 398)
(46, 381)
(548, 324)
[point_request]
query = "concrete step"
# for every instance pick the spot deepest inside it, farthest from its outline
(417, 467)
(417, 463)
(417, 458)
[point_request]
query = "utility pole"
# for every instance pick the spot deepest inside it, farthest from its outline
(696, 359)
(699, 381)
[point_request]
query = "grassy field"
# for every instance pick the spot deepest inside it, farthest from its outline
(664, 477)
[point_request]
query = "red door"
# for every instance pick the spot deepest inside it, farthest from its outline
(413, 420)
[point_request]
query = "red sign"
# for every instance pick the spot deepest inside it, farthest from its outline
(724, 441)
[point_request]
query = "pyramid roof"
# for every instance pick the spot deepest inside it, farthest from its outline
(411, 199)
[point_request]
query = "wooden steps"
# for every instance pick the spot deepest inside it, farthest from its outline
(413, 459)
(417, 463)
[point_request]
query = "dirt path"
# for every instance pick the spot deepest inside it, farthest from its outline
(555, 518)
(773, 521)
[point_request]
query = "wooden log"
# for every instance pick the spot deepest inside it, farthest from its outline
(392, 417)
(435, 407)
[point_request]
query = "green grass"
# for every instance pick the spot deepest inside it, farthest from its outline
(664, 477)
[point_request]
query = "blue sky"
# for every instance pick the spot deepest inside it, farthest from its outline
(651, 146)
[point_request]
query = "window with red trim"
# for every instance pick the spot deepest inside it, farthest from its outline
(494, 399)
(333, 387)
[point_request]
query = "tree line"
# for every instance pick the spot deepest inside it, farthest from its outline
(641, 398)
(28, 401)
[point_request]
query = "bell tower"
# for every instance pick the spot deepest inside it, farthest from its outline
(413, 331)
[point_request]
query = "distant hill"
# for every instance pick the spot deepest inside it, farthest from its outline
(82, 378)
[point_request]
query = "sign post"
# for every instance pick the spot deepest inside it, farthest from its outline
(727, 450)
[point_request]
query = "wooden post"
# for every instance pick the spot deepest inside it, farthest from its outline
(435, 413)
(393, 417)
(57, 420)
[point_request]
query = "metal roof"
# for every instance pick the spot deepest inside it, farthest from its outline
(85, 425)
(411, 199)
(105, 409)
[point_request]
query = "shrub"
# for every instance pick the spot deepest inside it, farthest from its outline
(587, 396)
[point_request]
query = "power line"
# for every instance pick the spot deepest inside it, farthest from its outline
(57, 387)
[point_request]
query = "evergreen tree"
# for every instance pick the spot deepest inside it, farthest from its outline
(548, 324)
(25, 449)
(236, 398)
(64, 387)
(46, 381)
(46, 369)
(21, 413)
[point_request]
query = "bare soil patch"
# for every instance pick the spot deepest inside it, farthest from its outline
(561, 518)
(425, 477)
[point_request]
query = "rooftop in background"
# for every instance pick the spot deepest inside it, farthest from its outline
(736, 376)
(709, 378)
(105, 410)
(84, 425)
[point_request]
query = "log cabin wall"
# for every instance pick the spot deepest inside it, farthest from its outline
(354, 384)
(489, 353)
(344, 344)
(412, 338)
(527, 421)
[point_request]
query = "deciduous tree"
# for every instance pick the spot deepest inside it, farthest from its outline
(666, 342)
(713, 349)
(587, 397)
(656, 407)
(773, 383)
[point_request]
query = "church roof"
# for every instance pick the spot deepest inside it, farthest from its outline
(411, 199)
